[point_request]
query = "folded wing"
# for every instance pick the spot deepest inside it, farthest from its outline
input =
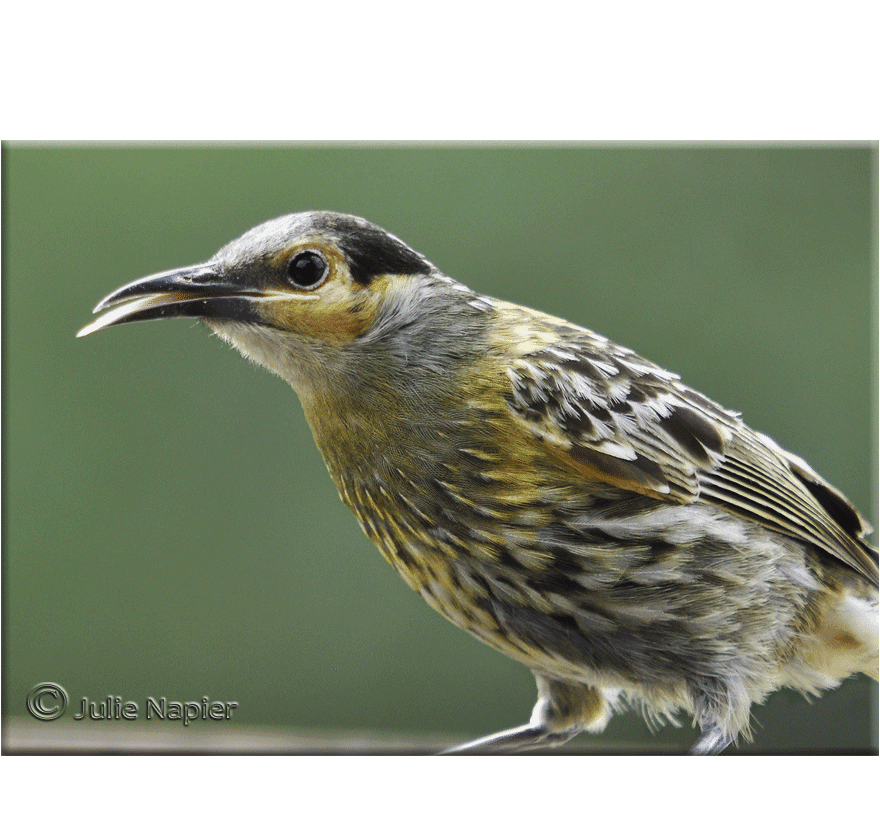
(619, 419)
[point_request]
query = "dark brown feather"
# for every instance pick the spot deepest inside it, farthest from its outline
(623, 421)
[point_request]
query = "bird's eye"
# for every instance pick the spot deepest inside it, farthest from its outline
(307, 270)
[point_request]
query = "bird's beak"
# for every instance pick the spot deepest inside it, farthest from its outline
(199, 291)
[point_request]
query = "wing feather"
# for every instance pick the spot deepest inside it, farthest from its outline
(619, 419)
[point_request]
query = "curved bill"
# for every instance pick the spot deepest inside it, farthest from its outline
(199, 291)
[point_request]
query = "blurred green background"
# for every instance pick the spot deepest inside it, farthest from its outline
(169, 527)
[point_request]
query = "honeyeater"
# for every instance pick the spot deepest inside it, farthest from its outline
(562, 499)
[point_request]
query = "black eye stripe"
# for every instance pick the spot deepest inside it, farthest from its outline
(368, 250)
(307, 270)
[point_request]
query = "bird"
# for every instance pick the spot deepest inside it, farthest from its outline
(562, 499)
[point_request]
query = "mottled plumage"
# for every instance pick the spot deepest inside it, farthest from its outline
(554, 494)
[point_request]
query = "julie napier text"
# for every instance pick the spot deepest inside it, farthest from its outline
(113, 708)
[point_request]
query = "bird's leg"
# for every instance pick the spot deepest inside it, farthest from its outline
(714, 707)
(712, 742)
(562, 711)
(519, 739)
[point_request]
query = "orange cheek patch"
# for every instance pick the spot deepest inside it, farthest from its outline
(333, 314)
(335, 324)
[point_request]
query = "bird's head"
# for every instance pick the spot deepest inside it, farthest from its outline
(302, 295)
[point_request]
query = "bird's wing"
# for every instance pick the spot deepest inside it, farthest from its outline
(619, 419)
